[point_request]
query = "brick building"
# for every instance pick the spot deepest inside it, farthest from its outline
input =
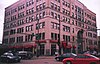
(51, 21)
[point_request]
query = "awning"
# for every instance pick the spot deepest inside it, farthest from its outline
(69, 45)
(29, 45)
(74, 46)
(54, 41)
(24, 45)
(91, 47)
(40, 41)
(64, 44)
(17, 46)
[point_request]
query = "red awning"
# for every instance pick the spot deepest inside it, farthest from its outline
(11, 46)
(40, 41)
(69, 46)
(91, 47)
(17, 46)
(27, 46)
(54, 41)
(74, 46)
(64, 44)
(95, 47)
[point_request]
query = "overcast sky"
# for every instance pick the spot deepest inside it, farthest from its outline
(93, 5)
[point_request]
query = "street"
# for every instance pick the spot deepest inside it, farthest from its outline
(40, 60)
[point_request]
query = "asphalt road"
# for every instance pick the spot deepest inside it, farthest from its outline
(40, 60)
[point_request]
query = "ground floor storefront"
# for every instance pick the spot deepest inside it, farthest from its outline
(44, 47)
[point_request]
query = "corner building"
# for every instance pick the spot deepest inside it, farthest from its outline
(49, 20)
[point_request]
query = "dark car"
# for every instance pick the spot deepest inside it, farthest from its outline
(66, 55)
(9, 57)
(25, 54)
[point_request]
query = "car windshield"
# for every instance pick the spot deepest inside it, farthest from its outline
(22, 52)
(94, 57)
(9, 54)
(69, 54)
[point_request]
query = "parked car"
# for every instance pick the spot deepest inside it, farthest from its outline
(25, 54)
(9, 57)
(82, 59)
(66, 55)
(98, 55)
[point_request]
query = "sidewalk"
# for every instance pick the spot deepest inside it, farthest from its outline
(44, 57)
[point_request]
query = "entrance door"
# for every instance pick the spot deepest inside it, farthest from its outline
(53, 49)
(42, 49)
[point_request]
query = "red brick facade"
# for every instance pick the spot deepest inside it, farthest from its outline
(77, 25)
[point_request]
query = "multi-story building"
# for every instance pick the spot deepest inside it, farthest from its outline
(98, 39)
(50, 21)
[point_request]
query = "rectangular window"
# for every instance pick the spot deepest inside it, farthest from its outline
(52, 14)
(43, 35)
(52, 36)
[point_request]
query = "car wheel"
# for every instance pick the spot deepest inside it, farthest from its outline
(68, 62)
(92, 63)
(57, 59)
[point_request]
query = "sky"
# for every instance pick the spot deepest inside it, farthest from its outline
(93, 5)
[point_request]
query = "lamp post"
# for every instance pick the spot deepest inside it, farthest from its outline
(59, 44)
(38, 44)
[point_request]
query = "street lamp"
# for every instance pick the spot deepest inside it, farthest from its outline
(59, 39)
(38, 44)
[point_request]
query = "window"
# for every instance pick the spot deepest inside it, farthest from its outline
(20, 22)
(63, 11)
(68, 13)
(5, 41)
(72, 22)
(37, 8)
(66, 38)
(6, 33)
(29, 28)
(12, 40)
(44, 14)
(55, 16)
(54, 25)
(40, 25)
(21, 7)
(73, 38)
(41, 6)
(43, 35)
(13, 31)
(58, 8)
(52, 14)
(44, 5)
(72, 7)
(68, 20)
(29, 3)
(55, 6)
(73, 30)
(20, 14)
(40, 36)
(20, 30)
(28, 38)
(73, 14)
(54, 36)
(66, 28)
(30, 11)
(20, 39)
